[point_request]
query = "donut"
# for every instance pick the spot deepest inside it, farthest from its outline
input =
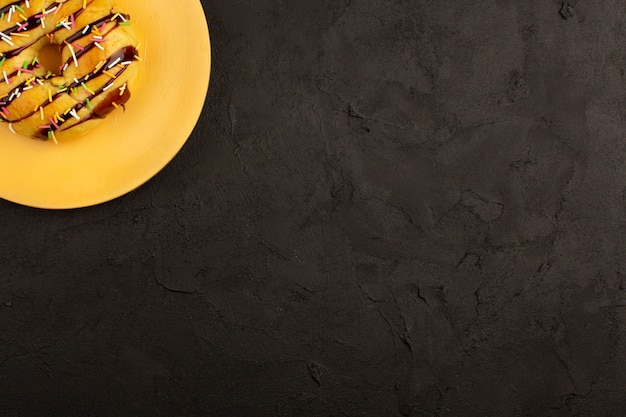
(95, 48)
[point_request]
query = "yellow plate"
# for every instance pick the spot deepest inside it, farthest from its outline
(130, 147)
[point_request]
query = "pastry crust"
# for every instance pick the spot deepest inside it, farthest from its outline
(98, 55)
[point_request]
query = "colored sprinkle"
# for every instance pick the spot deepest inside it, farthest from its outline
(11, 129)
(25, 65)
(87, 88)
(115, 105)
(20, 9)
(50, 96)
(88, 104)
(109, 74)
(3, 61)
(54, 123)
(41, 110)
(125, 23)
(73, 55)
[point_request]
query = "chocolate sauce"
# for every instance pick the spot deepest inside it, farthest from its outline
(6, 8)
(15, 52)
(32, 22)
(79, 34)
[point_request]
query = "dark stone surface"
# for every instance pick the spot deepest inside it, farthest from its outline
(389, 208)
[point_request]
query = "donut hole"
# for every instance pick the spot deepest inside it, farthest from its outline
(50, 58)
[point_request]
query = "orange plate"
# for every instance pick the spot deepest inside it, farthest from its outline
(130, 147)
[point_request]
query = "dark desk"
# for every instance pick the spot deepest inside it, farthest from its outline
(401, 208)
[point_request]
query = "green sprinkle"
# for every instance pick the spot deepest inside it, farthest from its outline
(20, 9)
(3, 61)
(88, 104)
(62, 88)
(2, 17)
(49, 134)
(34, 61)
(125, 23)
(74, 90)
(25, 66)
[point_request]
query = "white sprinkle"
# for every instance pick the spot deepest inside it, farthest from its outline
(5, 36)
(43, 22)
(5, 77)
(99, 46)
(27, 4)
(107, 87)
(73, 55)
(18, 93)
(98, 37)
(27, 88)
(11, 129)
(74, 115)
(11, 10)
(65, 66)
(39, 81)
(8, 41)
(86, 29)
(11, 97)
(114, 63)
(122, 16)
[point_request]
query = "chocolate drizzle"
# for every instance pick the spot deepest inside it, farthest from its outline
(15, 52)
(6, 8)
(31, 23)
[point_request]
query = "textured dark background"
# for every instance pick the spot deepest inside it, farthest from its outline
(388, 208)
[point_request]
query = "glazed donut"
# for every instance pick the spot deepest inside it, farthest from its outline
(98, 51)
